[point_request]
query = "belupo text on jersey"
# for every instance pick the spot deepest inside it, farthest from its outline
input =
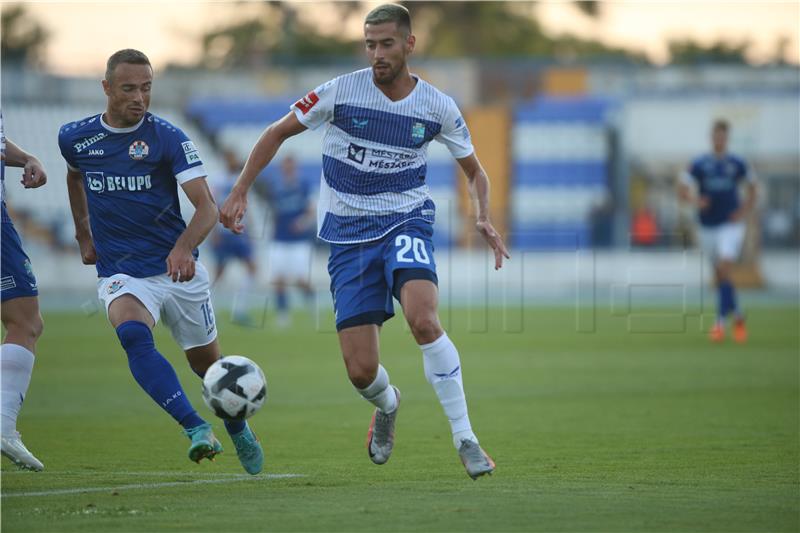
(98, 182)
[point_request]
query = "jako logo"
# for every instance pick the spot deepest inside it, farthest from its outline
(96, 152)
(86, 143)
(169, 400)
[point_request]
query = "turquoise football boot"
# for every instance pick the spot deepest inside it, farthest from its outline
(248, 448)
(204, 444)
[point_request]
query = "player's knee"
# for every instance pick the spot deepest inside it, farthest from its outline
(425, 327)
(36, 327)
(361, 374)
(28, 328)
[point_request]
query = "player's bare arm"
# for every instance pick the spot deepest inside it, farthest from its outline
(33, 174)
(264, 150)
(479, 188)
(180, 261)
(80, 216)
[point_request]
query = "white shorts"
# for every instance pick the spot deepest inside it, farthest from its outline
(290, 261)
(723, 242)
(185, 306)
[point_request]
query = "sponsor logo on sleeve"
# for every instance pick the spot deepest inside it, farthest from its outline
(307, 102)
(191, 153)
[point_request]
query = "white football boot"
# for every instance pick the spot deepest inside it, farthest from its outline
(380, 438)
(13, 448)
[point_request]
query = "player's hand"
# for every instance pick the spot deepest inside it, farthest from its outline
(33, 174)
(232, 212)
(737, 215)
(703, 202)
(180, 264)
(88, 252)
(495, 242)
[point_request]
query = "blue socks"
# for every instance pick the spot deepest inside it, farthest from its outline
(231, 426)
(727, 299)
(154, 373)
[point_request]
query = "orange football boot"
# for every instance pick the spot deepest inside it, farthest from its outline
(739, 331)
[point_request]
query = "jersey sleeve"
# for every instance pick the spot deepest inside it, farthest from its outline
(65, 146)
(454, 133)
(183, 157)
(316, 108)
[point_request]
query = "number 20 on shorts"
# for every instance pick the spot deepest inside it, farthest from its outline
(408, 245)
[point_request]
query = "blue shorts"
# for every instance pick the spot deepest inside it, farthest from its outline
(233, 247)
(365, 276)
(16, 279)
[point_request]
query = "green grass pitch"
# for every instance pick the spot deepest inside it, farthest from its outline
(613, 430)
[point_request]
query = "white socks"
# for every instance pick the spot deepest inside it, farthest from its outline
(380, 393)
(443, 371)
(16, 365)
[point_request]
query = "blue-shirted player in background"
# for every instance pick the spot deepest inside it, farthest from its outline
(124, 168)
(228, 246)
(20, 309)
(294, 215)
(375, 210)
(712, 184)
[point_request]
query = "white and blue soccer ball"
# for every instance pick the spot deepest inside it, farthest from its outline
(234, 387)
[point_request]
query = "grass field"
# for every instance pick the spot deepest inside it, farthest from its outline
(606, 431)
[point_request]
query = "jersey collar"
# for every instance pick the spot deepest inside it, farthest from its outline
(121, 130)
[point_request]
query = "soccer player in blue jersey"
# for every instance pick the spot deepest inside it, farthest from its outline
(123, 171)
(711, 184)
(375, 211)
(290, 250)
(20, 309)
(228, 246)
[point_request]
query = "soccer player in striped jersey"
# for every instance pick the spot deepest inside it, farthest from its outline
(20, 309)
(716, 178)
(375, 211)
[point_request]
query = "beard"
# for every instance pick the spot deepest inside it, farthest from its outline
(385, 76)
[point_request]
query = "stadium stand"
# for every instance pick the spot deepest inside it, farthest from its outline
(560, 157)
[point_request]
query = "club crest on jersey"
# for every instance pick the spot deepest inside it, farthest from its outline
(418, 131)
(138, 150)
(114, 286)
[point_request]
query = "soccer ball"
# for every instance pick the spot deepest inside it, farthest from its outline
(234, 387)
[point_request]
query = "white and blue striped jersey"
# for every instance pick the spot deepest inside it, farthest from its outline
(374, 153)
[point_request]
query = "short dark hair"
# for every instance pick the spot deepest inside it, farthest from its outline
(721, 124)
(390, 13)
(128, 55)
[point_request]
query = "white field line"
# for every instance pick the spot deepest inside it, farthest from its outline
(140, 486)
(89, 473)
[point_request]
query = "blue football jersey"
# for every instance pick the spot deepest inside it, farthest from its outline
(718, 178)
(289, 202)
(131, 178)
